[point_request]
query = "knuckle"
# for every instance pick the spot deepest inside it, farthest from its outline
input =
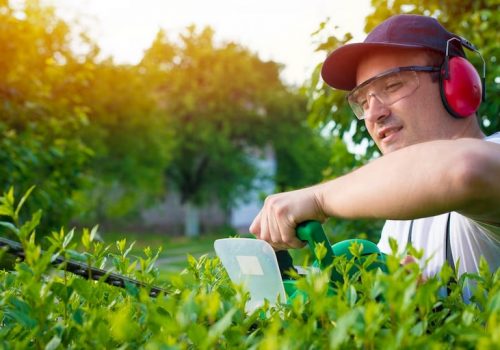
(281, 210)
(292, 219)
(276, 206)
(270, 200)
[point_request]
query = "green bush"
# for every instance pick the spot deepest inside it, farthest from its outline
(45, 308)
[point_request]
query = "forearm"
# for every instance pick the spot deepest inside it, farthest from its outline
(418, 181)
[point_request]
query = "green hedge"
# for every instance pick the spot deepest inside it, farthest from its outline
(45, 308)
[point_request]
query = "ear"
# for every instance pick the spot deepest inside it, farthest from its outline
(461, 87)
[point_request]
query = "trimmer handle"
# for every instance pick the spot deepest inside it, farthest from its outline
(312, 233)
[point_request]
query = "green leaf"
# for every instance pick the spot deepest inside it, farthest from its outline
(352, 295)
(132, 289)
(340, 333)
(75, 255)
(10, 226)
(68, 238)
(320, 251)
(6, 211)
(197, 333)
(191, 260)
(78, 316)
(7, 207)
(28, 227)
(10, 197)
(124, 254)
(53, 343)
(220, 326)
(494, 303)
(356, 249)
(393, 244)
(121, 245)
(21, 312)
(86, 239)
(467, 317)
(62, 291)
(94, 234)
(23, 200)
(84, 289)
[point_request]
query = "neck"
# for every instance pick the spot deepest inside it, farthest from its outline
(468, 128)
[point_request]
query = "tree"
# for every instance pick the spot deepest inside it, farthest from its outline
(41, 111)
(302, 153)
(131, 140)
(221, 102)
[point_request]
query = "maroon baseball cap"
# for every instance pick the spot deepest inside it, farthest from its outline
(400, 31)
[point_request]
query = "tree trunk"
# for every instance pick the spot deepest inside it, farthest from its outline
(191, 220)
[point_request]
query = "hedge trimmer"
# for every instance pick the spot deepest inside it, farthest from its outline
(254, 264)
(84, 270)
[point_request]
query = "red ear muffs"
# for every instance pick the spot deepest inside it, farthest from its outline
(461, 87)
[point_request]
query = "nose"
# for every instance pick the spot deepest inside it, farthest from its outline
(377, 110)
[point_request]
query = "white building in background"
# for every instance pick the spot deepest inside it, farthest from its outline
(168, 216)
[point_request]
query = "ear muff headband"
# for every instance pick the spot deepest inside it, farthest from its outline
(462, 89)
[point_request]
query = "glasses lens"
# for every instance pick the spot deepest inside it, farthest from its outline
(388, 89)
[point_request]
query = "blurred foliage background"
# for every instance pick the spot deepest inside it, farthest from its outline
(101, 140)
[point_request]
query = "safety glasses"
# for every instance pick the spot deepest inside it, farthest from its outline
(387, 87)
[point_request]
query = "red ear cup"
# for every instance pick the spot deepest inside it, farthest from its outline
(461, 88)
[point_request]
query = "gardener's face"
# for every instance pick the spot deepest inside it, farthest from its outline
(416, 117)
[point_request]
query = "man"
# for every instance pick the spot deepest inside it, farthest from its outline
(438, 181)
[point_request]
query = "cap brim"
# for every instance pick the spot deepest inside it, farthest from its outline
(340, 67)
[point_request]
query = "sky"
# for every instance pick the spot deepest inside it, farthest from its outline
(278, 30)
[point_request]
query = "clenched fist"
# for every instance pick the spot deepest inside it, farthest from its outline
(282, 212)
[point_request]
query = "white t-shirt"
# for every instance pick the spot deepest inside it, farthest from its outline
(469, 239)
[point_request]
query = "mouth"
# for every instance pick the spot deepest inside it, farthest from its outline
(386, 134)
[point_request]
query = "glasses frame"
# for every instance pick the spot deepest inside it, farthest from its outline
(428, 69)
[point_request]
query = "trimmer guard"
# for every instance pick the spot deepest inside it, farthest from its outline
(252, 263)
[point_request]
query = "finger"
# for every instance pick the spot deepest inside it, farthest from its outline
(274, 232)
(408, 260)
(274, 210)
(255, 226)
(296, 243)
(264, 232)
(289, 234)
